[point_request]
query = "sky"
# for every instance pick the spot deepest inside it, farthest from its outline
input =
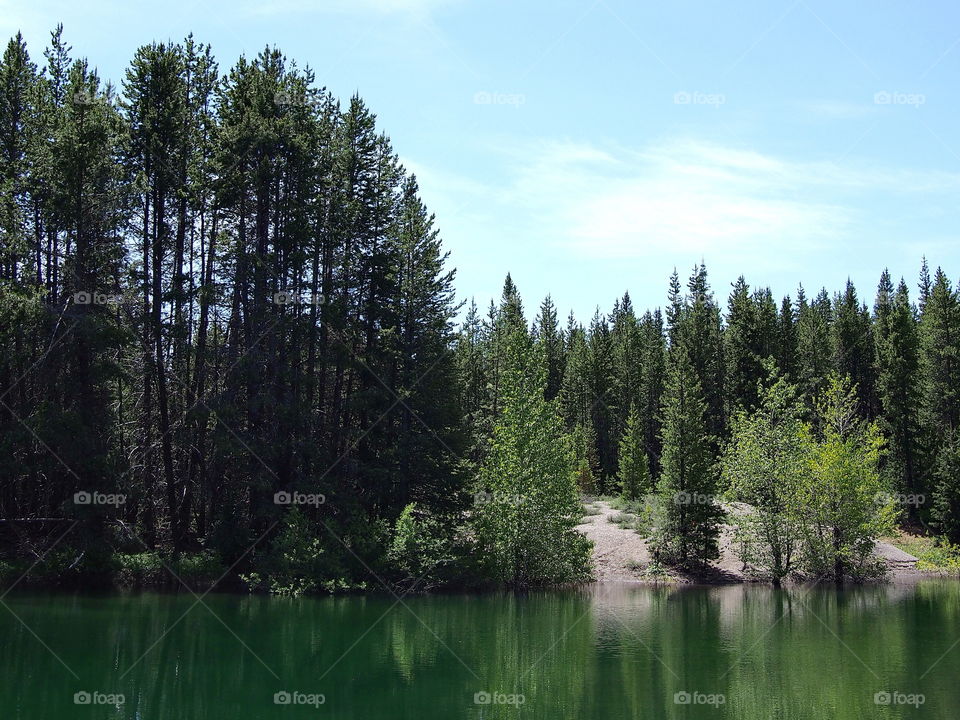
(590, 147)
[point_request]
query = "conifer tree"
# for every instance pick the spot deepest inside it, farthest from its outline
(898, 384)
(688, 526)
(550, 345)
(634, 471)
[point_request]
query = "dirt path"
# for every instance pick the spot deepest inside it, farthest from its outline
(618, 554)
(622, 555)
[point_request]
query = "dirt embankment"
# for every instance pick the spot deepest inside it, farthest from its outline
(622, 555)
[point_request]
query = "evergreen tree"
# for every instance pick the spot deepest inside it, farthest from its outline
(813, 343)
(853, 346)
(550, 345)
(634, 471)
(946, 500)
(688, 526)
(898, 384)
(741, 348)
(654, 357)
(787, 340)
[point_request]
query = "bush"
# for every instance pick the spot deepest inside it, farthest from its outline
(423, 550)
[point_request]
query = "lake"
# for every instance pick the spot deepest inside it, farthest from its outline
(607, 652)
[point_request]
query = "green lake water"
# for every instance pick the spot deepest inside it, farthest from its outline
(608, 653)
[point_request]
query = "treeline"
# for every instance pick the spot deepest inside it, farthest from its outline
(653, 400)
(228, 344)
(214, 288)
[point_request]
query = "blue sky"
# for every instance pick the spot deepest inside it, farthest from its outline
(590, 147)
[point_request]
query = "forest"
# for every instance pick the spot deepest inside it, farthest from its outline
(231, 352)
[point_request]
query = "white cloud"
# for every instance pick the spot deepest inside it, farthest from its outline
(681, 196)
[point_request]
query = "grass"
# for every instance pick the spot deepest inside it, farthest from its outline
(931, 552)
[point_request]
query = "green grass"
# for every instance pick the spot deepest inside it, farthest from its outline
(931, 552)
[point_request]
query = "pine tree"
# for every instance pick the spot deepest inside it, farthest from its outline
(813, 343)
(654, 357)
(602, 408)
(940, 412)
(688, 528)
(853, 346)
(898, 384)
(634, 471)
(700, 333)
(550, 345)
(741, 348)
(787, 340)
(946, 500)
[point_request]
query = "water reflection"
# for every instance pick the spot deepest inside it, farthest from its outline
(612, 651)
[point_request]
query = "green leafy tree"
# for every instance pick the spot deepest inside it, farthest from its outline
(763, 465)
(842, 505)
(526, 524)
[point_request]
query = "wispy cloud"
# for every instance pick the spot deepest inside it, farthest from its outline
(680, 199)
(681, 196)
